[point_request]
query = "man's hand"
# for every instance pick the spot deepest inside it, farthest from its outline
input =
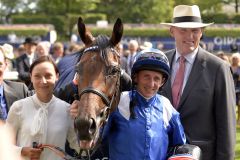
(74, 109)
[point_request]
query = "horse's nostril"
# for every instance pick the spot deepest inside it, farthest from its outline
(92, 127)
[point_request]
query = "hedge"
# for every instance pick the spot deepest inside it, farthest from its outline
(140, 32)
(88, 18)
(164, 32)
(63, 24)
(24, 32)
(57, 21)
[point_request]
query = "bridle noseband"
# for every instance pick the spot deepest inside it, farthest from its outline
(97, 92)
(108, 102)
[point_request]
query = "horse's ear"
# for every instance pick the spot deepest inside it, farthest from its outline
(117, 32)
(85, 35)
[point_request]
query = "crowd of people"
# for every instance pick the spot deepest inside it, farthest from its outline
(183, 96)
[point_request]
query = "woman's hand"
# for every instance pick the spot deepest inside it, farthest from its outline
(32, 153)
(74, 109)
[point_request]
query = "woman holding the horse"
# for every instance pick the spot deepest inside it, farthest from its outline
(41, 118)
(145, 124)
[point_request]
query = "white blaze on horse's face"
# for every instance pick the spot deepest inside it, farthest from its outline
(98, 78)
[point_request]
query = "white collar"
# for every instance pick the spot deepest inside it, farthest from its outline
(31, 56)
(40, 103)
(189, 57)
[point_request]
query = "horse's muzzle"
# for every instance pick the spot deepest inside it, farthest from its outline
(86, 128)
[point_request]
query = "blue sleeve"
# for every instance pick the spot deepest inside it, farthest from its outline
(176, 134)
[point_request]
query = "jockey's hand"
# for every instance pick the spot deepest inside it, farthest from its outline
(32, 153)
(74, 109)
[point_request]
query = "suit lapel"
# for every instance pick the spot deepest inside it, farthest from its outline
(195, 74)
(26, 61)
(168, 88)
(8, 94)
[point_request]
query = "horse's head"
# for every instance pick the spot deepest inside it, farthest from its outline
(98, 78)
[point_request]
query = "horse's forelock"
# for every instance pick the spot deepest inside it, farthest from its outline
(102, 41)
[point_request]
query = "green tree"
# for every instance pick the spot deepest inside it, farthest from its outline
(235, 2)
(136, 11)
(205, 6)
(10, 7)
(64, 7)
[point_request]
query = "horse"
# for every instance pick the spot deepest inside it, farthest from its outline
(98, 81)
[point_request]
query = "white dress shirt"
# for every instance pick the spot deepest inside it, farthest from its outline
(190, 58)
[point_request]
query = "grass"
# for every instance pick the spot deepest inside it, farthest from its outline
(237, 149)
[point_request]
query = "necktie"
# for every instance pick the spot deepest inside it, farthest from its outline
(131, 61)
(2, 117)
(178, 82)
(1, 113)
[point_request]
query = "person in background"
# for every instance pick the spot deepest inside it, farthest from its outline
(223, 56)
(57, 51)
(20, 51)
(9, 56)
(144, 124)
(42, 49)
(133, 49)
(10, 91)
(41, 118)
(146, 45)
(235, 66)
(201, 88)
(73, 48)
(123, 59)
(24, 61)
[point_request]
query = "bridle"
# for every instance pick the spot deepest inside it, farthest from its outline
(107, 101)
(103, 96)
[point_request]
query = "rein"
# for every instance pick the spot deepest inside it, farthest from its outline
(83, 155)
(57, 150)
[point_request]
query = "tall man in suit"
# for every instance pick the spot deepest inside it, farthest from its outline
(24, 61)
(201, 88)
(133, 49)
(9, 91)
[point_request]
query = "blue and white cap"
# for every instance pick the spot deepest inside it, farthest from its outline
(151, 59)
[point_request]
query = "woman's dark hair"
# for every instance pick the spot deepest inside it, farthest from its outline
(41, 60)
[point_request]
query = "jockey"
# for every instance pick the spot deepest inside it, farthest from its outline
(145, 124)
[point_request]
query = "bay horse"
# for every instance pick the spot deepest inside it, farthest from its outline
(98, 80)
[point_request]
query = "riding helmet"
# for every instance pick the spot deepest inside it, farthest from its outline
(151, 59)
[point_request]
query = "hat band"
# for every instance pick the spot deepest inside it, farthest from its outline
(187, 19)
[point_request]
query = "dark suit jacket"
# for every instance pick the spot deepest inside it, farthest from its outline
(14, 91)
(124, 64)
(23, 66)
(207, 106)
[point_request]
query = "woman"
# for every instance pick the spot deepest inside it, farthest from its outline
(41, 118)
(235, 66)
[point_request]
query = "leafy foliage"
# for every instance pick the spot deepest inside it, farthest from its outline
(136, 11)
